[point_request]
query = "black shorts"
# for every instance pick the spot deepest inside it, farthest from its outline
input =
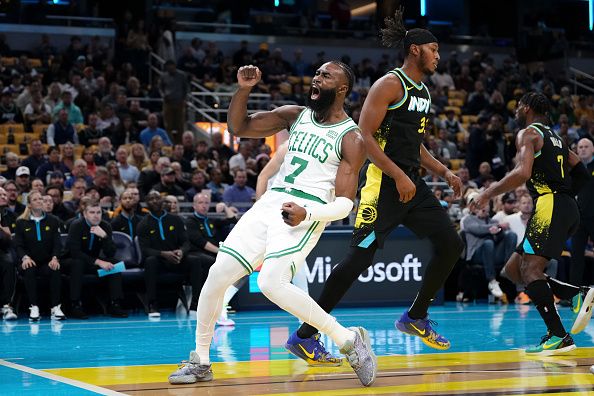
(555, 219)
(380, 210)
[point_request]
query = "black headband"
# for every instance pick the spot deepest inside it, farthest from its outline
(418, 37)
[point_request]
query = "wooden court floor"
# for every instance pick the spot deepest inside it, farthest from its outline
(135, 356)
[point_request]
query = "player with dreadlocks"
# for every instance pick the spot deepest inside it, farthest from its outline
(553, 173)
(393, 122)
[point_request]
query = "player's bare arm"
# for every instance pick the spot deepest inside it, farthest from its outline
(384, 92)
(260, 124)
(347, 176)
(528, 142)
(270, 169)
(434, 166)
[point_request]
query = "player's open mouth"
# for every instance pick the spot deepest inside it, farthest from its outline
(315, 92)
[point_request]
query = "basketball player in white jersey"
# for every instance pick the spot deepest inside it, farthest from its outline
(316, 183)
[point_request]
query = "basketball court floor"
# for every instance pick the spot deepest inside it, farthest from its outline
(134, 356)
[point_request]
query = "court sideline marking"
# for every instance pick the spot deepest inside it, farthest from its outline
(64, 380)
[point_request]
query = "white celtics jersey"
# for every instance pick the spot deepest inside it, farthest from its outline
(312, 157)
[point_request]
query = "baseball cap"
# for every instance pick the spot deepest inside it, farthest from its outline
(167, 170)
(56, 174)
(23, 170)
(509, 197)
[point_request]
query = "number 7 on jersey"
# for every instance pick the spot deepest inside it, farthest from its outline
(301, 165)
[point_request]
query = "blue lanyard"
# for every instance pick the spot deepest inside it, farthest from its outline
(129, 224)
(38, 227)
(92, 238)
(160, 221)
(205, 221)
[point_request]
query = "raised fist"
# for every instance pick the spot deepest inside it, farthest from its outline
(248, 76)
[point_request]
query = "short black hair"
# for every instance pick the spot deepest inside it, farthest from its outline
(538, 102)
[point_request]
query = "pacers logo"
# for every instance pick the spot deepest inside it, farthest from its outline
(366, 214)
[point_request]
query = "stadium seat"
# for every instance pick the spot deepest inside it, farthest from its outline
(456, 164)
(456, 102)
(40, 129)
(468, 119)
(12, 128)
(35, 62)
(455, 109)
(126, 250)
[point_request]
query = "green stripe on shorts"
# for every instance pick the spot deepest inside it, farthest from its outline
(235, 254)
(297, 247)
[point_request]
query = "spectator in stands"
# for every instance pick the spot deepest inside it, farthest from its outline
(510, 206)
(67, 156)
(584, 130)
(79, 171)
(181, 178)
(205, 234)
(102, 182)
(585, 231)
(56, 178)
(105, 152)
(467, 184)
(126, 132)
(198, 185)
(90, 135)
(238, 161)
(77, 192)
(36, 112)
(61, 131)
(149, 177)
(484, 173)
(23, 180)
(216, 185)
(37, 185)
(108, 121)
(89, 247)
(16, 86)
(60, 210)
(36, 157)
(128, 173)
(164, 244)
(38, 246)
(53, 164)
(188, 145)
(174, 88)
(12, 164)
(73, 111)
(12, 192)
(177, 155)
(114, 178)
(168, 186)
(223, 151)
(478, 149)
(89, 156)
(152, 130)
(445, 143)
(138, 157)
(9, 112)
(127, 219)
(582, 109)
(138, 114)
(54, 94)
(45, 50)
(477, 100)
(239, 193)
(451, 124)
(488, 244)
(154, 156)
(171, 204)
(441, 78)
(7, 267)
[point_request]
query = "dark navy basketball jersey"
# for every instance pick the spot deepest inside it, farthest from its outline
(401, 133)
(550, 171)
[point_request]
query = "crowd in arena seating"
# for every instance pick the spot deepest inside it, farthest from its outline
(77, 125)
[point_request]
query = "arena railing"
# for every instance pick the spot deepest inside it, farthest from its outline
(82, 21)
(576, 73)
